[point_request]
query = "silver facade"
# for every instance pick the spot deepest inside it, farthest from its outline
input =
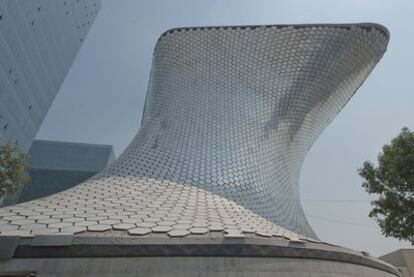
(234, 111)
(38, 42)
(229, 116)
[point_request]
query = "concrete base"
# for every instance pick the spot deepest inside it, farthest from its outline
(187, 266)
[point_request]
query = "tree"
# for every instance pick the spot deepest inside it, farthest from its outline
(393, 181)
(13, 169)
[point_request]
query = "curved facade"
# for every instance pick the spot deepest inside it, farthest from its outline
(230, 113)
(235, 110)
(229, 116)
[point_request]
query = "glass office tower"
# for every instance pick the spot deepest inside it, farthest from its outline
(39, 41)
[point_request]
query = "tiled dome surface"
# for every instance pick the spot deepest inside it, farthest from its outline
(138, 206)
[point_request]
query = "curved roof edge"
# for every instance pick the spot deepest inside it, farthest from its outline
(364, 25)
(87, 247)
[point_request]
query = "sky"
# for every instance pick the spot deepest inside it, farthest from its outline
(102, 98)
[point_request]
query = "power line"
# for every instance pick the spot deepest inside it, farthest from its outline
(327, 200)
(341, 221)
(336, 200)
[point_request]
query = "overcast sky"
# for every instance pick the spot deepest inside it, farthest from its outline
(102, 98)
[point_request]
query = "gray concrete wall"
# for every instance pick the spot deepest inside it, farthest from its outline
(189, 266)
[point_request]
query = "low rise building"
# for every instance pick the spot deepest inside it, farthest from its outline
(56, 166)
(403, 259)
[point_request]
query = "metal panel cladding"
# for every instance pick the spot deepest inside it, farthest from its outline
(234, 110)
(230, 114)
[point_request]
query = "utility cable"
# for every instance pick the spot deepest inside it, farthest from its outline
(341, 221)
(336, 200)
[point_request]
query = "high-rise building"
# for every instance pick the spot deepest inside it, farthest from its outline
(209, 185)
(39, 41)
